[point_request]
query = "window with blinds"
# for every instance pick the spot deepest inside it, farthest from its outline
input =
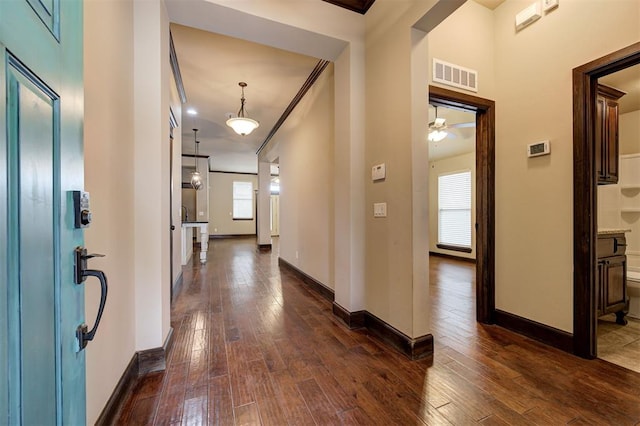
(242, 200)
(454, 209)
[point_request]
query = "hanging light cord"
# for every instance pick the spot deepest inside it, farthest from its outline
(242, 100)
(195, 140)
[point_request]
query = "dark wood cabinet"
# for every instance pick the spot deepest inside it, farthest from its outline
(606, 136)
(612, 273)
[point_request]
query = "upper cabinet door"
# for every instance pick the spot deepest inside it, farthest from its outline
(606, 134)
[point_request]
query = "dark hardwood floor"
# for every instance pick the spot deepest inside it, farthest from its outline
(254, 346)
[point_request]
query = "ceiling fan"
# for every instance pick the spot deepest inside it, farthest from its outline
(438, 127)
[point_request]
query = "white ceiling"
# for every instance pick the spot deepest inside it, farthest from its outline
(490, 4)
(211, 66)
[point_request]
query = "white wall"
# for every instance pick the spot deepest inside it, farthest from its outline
(151, 175)
(630, 175)
(396, 255)
(189, 201)
(221, 205)
(534, 208)
(630, 133)
(305, 146)
(127, 172)
(610, 197)
(448, 165)
(466, 38)
(109, 165)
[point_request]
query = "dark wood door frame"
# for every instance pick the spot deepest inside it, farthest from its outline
(485, 192)
(585, 220)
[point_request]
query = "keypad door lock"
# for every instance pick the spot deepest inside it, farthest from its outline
(82, 212)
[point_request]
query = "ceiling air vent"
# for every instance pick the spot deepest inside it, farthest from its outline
(455, 75)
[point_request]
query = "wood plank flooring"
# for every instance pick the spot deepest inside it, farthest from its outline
(254, 346)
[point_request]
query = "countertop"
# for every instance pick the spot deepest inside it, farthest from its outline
(612, 231)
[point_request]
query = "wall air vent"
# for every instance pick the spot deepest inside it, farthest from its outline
(455, 75)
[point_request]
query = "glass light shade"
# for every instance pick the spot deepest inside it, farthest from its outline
(242, 125)
(196, 180)
(437, 135)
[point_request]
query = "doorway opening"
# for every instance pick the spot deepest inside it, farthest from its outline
(585, 189)
(484, 110)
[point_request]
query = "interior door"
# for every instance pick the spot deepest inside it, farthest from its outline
(41, 161)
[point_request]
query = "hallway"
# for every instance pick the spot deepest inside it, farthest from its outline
(252, 345)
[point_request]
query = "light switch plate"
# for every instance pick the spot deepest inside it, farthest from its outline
(547, 5)
(380, 210)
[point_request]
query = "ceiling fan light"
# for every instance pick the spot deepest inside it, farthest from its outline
(242, 125)
(437, 135)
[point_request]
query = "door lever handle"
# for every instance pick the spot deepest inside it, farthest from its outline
(81, 263)
(83, 333)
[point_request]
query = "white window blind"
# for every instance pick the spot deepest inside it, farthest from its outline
(454, 209)
(242, 200)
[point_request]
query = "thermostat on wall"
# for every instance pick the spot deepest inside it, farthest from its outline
(378, 172)
(538, 148)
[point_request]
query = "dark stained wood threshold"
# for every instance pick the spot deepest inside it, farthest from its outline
(585, 209)
(535, 330)
(454, 248)
(452, 256)
(359, 6)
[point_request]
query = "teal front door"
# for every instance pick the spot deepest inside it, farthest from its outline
(42, 376)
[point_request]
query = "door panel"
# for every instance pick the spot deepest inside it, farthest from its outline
(33, 115)
(41, 161)
(49, 13)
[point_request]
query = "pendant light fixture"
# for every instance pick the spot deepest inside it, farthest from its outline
(196, 179)
(242, 125)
